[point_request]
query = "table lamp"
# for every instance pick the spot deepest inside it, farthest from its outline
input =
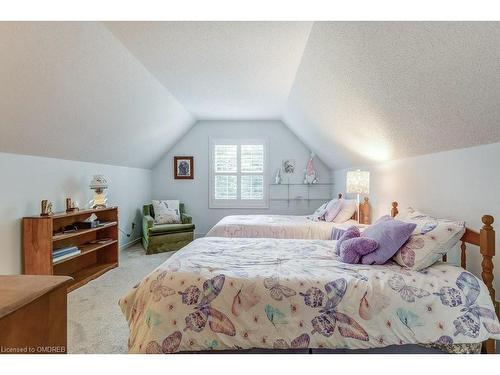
(99, 185)
(358, 182)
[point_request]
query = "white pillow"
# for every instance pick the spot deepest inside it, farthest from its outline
(431, 239)
(166, 212)
(319, 213)
(348, 209)
(332, 209)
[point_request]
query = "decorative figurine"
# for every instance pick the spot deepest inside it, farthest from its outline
(278, 179)
(99, 185)
(46, 208)
(70, 205)
(310, 176)
(289, 166)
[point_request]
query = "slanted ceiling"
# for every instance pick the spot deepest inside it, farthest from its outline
(72, 91)
(355, 92)
(374, 91)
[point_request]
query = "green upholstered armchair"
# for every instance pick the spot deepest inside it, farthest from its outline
(157, 238)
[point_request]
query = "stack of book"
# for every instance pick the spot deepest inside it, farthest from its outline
(65, 252)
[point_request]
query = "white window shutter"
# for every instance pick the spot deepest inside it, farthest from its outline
(238, 173)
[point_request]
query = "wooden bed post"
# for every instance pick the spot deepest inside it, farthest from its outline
(394, 209)
(487, 248)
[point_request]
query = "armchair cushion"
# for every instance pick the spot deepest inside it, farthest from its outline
(170, 228)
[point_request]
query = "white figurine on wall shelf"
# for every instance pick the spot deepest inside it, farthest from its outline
(310, 173)
(278, 179)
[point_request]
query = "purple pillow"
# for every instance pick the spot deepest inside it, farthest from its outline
(353, 249)
(349, 233)
(390, 235)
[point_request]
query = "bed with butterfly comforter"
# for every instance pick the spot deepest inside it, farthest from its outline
(232, 294)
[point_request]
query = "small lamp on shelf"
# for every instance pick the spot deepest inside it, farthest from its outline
(99, 185)
(358, 182)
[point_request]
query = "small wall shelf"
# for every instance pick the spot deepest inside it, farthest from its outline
(308, 194)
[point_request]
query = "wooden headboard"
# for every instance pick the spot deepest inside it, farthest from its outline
(485, 239)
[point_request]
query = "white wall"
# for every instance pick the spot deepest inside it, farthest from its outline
(460, 184)
(26, 180)
(283, 144)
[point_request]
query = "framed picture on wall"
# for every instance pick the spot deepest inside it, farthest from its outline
(183, 168)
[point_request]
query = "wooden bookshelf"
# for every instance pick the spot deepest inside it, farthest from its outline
(43, 234)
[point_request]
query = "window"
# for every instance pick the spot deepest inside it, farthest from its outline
(238, 173)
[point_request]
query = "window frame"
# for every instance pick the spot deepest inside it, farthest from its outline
(238, 202)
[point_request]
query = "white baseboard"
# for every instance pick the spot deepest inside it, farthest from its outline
(129, 244)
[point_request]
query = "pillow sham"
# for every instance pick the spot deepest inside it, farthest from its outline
(431, 239)
(166, 211)
(332, 209)
(390, 234)
(346, 211)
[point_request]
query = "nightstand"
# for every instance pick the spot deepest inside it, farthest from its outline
(33, 314)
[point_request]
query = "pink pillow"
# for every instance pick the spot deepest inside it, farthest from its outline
(332, 209)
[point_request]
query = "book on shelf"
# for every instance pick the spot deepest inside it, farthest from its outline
(65, 252)
(65, 256)
(100, 240)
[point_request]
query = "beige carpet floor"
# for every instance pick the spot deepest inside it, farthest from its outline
(95, 321)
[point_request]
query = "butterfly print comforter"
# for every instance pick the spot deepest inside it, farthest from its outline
(241, 293)
(275, 226)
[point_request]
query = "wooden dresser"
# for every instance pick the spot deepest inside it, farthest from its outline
(33, 314)
(98, 246)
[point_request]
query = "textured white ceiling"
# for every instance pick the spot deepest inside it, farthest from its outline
(371, 91)
(354, 92)
(72, 91)
(220, 70)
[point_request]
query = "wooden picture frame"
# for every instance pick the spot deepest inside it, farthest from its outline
(183, 167)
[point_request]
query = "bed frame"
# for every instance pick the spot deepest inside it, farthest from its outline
(485, 239)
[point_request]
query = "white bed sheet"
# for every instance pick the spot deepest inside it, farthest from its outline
(275, 226)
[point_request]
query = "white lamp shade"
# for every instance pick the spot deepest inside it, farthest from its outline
(358, 182)
(98, 182)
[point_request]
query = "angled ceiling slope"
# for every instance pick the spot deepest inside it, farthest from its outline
(72, 91)
(354, 92)
(374, 91)
(221, 70)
